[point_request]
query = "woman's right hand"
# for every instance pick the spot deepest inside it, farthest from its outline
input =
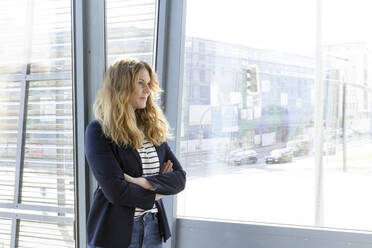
(167, 167)
(140, 181)
(143, 183)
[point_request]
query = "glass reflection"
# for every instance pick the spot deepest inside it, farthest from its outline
(248, 106)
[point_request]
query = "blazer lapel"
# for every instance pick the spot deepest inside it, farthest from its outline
(139, 161)
(160, 159)
(138, 158)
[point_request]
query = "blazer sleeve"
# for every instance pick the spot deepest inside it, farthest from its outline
(107, 171)
(172, 182)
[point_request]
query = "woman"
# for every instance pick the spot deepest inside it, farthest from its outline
(128, 154)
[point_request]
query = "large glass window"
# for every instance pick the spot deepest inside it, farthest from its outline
(36, 132)
(248, 113)
(131, 26)
(347, 114)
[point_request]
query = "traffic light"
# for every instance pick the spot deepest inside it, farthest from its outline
(252, 80)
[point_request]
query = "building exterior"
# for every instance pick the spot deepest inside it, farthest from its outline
(347, 64)
(215, 81)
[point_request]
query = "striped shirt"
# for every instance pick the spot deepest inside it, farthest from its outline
(150, 167)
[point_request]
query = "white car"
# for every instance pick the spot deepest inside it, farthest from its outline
(243, 157)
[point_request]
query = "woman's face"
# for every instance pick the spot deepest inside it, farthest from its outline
(141, 90)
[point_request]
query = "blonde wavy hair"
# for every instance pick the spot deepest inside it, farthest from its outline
(112, 107)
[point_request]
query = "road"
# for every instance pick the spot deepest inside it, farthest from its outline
(282, 193)
(204, 165)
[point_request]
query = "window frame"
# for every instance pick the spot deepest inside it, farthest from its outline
(169, 59)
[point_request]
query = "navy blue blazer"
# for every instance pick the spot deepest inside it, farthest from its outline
(110, 218)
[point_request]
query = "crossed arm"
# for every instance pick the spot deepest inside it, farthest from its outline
(125, 190)
(172, 178)
(144, 183)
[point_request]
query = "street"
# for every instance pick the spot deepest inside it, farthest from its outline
(281, 193)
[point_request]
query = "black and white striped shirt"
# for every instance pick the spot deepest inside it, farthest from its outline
(150, 167)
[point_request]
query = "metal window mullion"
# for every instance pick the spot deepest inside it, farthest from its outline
(160, 43)
(212, 233)
(89, 63)
(319, 103)
(49, 76)
(33, 217)
(20, 150)
(14, 230)
(37, 77)
(169, 67)
(79, 119)
(11, 78)
(65, 210)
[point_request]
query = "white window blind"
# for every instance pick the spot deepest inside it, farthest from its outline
(130, 29)
(36, 124)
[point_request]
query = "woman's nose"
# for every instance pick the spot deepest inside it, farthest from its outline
(147, 88)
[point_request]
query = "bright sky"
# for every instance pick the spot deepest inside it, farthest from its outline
(282, 25)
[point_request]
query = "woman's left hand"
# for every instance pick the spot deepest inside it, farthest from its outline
(129, 179)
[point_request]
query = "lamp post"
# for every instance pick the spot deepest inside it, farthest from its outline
(201, 131)
(344, 141)
(344, 109)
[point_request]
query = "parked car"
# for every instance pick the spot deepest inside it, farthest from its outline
(279, 156)
(299, 147)
(242, 156)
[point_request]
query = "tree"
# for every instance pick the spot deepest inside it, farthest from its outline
(253, 86)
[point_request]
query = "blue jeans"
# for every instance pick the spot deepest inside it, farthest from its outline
(145, 233)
